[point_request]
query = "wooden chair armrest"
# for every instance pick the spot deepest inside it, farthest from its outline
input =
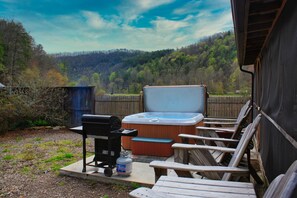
(220, 123)
(208, 138)
(217, 129)
(147, 192)
(189, 167)
(273, 185)
(184, 170)
(205, 147)
(220, 119)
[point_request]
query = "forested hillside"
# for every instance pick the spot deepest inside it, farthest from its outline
(23, 62)
(212, 61)
(82, 66)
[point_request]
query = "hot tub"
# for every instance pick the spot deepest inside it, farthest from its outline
(161, 125)
(164, 118)
(170, 110)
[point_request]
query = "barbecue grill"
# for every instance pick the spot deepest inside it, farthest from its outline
(107, 132)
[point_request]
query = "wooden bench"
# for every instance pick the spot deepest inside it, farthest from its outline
(168, 186)
(152, 146)
(285, 185)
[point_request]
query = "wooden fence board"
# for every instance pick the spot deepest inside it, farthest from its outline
(217, 106)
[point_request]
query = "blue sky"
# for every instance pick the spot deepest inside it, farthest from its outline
(87, 25)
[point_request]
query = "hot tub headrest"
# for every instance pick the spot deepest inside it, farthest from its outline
(187, 98)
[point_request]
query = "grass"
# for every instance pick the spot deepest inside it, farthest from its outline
(135, 185)
(56, 167)
(64, 150)
(26, 155)
(5, 150)
(37, 156)
(26, 170)
(8, 157)
(32, 157)
(28, 146)
(18, 139)
(37, 139)
(61, 183)
(60, 157)
(119, 187)
(66, 142)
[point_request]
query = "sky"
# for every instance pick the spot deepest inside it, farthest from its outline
(91, 25)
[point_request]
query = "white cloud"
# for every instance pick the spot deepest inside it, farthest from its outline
(189, 8)
(131, 10)
(145, 39)
(149, 4)
(207, 25)
(164, 25)
(96, 21)
(206, 17)
(70, 33)
(181, 40)
(197, 6)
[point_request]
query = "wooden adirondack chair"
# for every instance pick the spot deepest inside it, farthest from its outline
(213, 133)
(224, 158)
(228, 121)
(234, 131)
(190, 157)
(284, 185)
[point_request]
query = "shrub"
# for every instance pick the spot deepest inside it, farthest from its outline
(7, 110)
(34, 106)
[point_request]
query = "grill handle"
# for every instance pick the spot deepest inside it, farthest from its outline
(126, 132)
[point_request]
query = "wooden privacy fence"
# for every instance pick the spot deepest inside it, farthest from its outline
(225, 106)
(118, 105)
(217, 106)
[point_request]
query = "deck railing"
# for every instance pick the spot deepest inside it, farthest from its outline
(217, 106)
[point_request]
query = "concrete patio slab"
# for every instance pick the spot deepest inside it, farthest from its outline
(141, 173)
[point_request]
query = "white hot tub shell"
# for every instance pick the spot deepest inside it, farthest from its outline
(171, 110)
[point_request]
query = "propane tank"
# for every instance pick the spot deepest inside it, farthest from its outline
(124, 164)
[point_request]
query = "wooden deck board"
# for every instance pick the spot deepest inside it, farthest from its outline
(203, 187)
(208, 182)
(183, 187)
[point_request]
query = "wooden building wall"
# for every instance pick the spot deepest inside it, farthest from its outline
(276, 94)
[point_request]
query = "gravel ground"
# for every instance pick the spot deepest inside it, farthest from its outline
(25, 176)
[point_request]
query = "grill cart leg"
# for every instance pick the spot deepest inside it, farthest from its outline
(84, 153)
(108, 171)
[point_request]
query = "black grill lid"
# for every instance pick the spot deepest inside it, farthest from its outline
(112, 122)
